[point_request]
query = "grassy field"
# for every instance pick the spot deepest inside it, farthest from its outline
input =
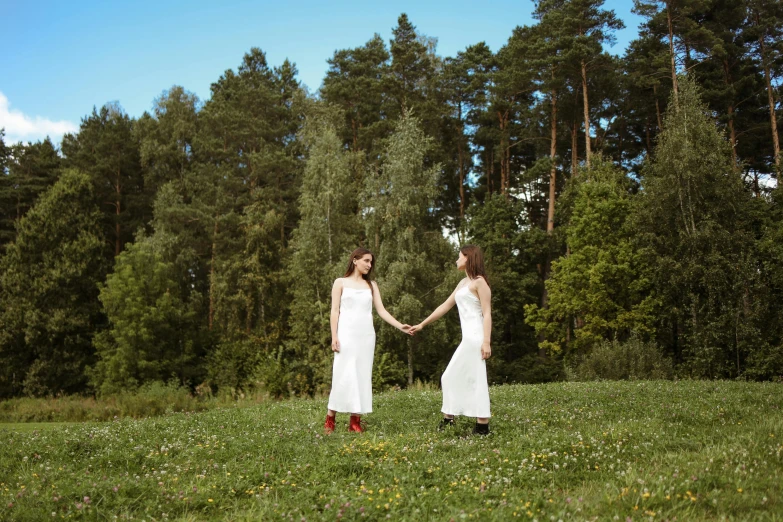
(25, 427)
(567, 451)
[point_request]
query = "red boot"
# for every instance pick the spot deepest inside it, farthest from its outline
(329, 424)
(356, 424)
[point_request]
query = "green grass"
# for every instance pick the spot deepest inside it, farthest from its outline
(24, 427)
(565, 451)
(150, 400)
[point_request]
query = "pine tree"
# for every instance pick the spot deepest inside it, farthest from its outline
(31, 169)
(765, 33)
(49, 288)
(166, 138)
(587, 27)
(5, 152)
(513, 249)
(694, 226)
(355, 82)
(105, 149)
(246, 180)
(603, 282)
(328, 231)
(646, 62)
(464, 84)
(412, 250)
(411, 69)
(153, 314)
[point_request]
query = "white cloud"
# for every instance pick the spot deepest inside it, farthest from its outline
(21, 127)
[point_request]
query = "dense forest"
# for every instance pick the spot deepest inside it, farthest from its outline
(627, 205)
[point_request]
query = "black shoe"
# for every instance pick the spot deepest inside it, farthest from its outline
(481, 429)
(446, 423)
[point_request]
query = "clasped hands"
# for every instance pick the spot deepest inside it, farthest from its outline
(486, 350)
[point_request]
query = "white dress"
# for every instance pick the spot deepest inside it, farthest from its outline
(352, 368)
(464, 383)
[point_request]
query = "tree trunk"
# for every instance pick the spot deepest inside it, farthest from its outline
(756, 187)
(410, 362)
(503, 121)
(648, 143)
(587, 114)
(212, 282)
(461, 155)
(574, 150)
(491, 169)
(671, 53)
(508, 168)
(771, 99)
(733, 139)
(657, 108)
(118, 209)
(732, 132)
(329, 226)
(550, 220)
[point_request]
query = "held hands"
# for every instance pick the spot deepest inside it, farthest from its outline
(414, 329)
(404, 328)
(486, 351)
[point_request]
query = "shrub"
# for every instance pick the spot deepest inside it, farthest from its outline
(633, 359)
(156, 398)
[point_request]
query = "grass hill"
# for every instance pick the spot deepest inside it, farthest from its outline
(689, 450)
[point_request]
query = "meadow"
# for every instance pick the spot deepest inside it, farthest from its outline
(645, 450)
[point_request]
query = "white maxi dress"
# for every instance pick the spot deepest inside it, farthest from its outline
(464, 383)
(352, 368)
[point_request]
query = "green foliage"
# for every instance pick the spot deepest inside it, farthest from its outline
(695, 225)
(49, 289)
(602, 288)
(153, 332)
(167, 137)
(633, 359)
(252, 175)
(105, 150)
(564, 451)
(273, 375)
(152, 399)
(241, 209)
(766, 359)
(354, 82)
(512, 248)
(328, 231)
(411, 249)
(31, 169)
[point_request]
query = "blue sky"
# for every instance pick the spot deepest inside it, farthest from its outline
(60, 58)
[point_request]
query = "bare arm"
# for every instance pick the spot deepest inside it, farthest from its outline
(485, 297)
(385, 315)
(439, 312)
(337, 292)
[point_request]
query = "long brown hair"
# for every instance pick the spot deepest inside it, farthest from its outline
(474, 264)
(358, 254)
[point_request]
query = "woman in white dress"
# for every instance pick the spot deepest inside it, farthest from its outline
(464, 383)
(353, 339)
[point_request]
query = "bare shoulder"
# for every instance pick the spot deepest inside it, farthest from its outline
(481, 285)
(338, 283)
(374, 285)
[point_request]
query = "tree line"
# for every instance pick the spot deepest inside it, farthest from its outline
(616, 197)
